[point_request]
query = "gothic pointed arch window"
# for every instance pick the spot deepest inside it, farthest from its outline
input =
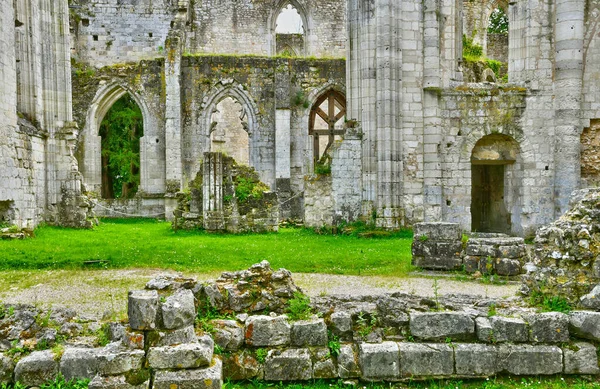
(229, 130)
(289, 30)
(326, 124)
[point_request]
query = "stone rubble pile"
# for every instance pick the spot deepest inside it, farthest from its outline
(181, 334)
(566, 260)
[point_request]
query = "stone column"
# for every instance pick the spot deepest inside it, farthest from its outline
(212, 191)
(569, 32)
(173, 150)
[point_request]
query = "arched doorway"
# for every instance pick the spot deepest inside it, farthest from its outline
(120, 131)
(326, 124)
(229, 130)
(495, 183)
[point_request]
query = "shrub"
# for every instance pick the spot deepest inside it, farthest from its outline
(299, 307)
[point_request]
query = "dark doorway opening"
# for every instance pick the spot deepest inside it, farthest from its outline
(488, 208)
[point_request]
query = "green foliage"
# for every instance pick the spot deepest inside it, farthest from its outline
(102, 338)
(43, 320)
(423, 238)
(549, 303)
(322, 168)
(147, 243)
(494, 65)
(207, 313)
(261, 355)
(60, 383)
(299, 307)
(121, 130)
(471, 51)
(498, 22)
(248, 187)
(334, 345)
(365, 324)
(491, 310)
(300, 100)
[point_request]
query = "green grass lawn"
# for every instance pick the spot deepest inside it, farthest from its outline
(138, 243)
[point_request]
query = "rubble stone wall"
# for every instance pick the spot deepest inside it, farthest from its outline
(241, 326)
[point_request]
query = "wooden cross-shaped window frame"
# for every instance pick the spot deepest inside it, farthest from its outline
(334, 99)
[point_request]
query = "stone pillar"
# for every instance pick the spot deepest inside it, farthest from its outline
(283, 160)
(346, 177)
(212, 191)
(432, 169)
(570, 32)
(173, 152)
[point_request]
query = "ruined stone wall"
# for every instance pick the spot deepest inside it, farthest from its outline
(276, 96)
(108, 32)
(497, 47)
(590, 102)
(590, 155)
(248, 27)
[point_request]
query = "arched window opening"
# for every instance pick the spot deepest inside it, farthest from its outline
(121, 130)
(497, 36)
(495, 184)
(326, 125)
(229, 130)
(289, 32)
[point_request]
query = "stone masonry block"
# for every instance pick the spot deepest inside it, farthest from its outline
(438, 231)
(142, 308)
(115, 361)
(485, 332)
(509, 329)
(267, 331)
(530, 360)
(581, 358)
(229, 334)
(37, 368)
(288, 365)
(7, 367)
(207, 378)
(183, 356)
(79, 363)
(380, 360)
(426, 359)
(309, 333)
(116, 382)
(548, 327)
(347, 360)
(323, 365)
(441, 325)
(585, 324)
(178, 311)
(478, 360)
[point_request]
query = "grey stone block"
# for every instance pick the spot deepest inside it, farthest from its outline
(242, 366)
(207, 378)
(173, 337)
(509, 329)
(471, 264)
(79, 363)
(476, 360)
(438, 231)
(585, 324)
(530, 360)
(116, 382)
(288, 365)
(581, 358)
(426, 359)
(379, 361)
(347, 361)
(507, 267)
(436, 262)
(229, 334)
(115, 361)
(549, 327)
(178, 311)
(341, 323)
(483, 326)
(267, 331)
(309, 333)
(183, 356)
(441, 325)
(142, 309)
(323, 366)
(37, 368)
(7, 367)
(592, 299)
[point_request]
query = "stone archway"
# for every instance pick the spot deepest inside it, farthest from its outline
(272, 25)
(495, 183)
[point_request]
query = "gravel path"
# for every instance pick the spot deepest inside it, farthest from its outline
(104, 292)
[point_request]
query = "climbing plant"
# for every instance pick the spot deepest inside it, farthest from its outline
(121, 130)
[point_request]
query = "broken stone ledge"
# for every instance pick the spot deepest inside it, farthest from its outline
(390, 337)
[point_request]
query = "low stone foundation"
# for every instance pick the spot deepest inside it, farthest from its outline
(439, 246)
(192, 335)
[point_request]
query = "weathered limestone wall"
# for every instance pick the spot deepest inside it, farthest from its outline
(248, 27)
(497, 47)
(590, 102)
(590, 155)
(108, 32)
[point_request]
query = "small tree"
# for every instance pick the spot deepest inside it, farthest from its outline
(498, 22)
